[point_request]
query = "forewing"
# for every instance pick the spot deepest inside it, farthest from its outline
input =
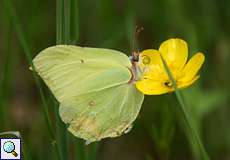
(70, 71)
(106, 113)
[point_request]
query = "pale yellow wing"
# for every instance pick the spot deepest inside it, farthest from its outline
(70, 70)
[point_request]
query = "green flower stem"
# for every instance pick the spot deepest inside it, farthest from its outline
(188, 120)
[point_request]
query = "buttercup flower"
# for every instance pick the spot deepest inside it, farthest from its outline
(154, 79)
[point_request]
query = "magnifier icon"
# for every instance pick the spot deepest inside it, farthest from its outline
(9, 147)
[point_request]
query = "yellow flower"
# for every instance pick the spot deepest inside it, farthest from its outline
(154, 79)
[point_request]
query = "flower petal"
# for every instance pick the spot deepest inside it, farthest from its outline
(151, 65)
(188, 83)
(192, 67)
(151, 87)
(175, 52)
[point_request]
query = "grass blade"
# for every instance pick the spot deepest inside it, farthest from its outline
(74, 22)
(80, 149)
(191, 130)
(67, 25)
(60, 30)
(62, 135)
(92, 151)
(72, 37)
(5, 82)
(12, 15)
(62, 37)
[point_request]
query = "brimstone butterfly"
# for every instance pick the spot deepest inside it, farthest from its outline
(94, 88)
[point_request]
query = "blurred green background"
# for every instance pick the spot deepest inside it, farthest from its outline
(29, 26)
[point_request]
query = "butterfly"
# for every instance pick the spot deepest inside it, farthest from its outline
(94, 87)
(101, 91)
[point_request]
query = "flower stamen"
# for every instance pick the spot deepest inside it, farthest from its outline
(168, 84)
(145, 59)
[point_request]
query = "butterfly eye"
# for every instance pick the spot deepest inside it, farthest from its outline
(145, 59)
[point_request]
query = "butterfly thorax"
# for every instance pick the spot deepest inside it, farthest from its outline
(136, 72)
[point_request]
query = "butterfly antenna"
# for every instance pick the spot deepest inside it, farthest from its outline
(136, 33)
